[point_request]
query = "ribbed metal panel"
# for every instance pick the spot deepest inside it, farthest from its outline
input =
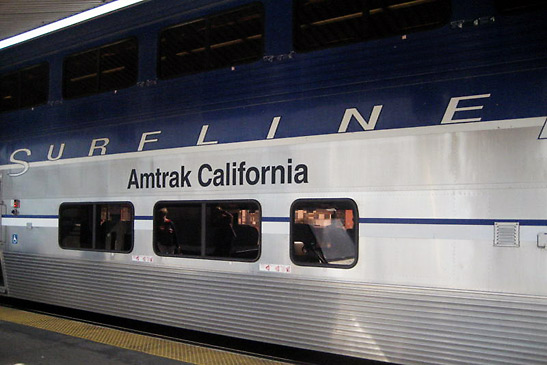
(398, 324)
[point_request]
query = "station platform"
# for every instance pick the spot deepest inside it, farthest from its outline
(33, 338)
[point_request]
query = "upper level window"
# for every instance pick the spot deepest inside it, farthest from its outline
(324, 232)
(24, 88)
(227, 230)
(328, 23)
(110, 67)
(216, 41)
(96, 226)
(519, 6)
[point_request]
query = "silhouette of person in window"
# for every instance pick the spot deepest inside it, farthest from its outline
(166, 237)
(223, 231)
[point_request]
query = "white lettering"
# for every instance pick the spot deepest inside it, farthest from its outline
(144, 140)
(50, 153)
(543, 133)
(354, 113)
(102, 147)
(22, 163)
(273, 127)
(452, 108)
(202, 134)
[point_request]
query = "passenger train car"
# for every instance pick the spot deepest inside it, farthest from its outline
(363, 178)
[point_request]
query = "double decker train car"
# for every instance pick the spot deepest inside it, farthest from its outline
(363, 178)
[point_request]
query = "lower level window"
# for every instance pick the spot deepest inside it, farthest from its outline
(324, 232)
(96, 226)
(222, 229)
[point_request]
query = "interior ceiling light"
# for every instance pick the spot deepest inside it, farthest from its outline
(67, 22)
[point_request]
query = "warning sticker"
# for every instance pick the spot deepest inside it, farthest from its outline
(141, 258)
(283, 269)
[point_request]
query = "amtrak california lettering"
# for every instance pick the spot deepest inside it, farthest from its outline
(230, 174)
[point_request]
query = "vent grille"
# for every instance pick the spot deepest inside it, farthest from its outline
(506, 234)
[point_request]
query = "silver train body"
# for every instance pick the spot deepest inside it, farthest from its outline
(451, 260)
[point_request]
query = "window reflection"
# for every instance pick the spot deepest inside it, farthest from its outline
(324, 233)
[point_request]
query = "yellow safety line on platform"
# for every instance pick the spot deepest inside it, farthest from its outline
(130, 341)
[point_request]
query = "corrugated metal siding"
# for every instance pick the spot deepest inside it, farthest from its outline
(398, 324)
(18, 16)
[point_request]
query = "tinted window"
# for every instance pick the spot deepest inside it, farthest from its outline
(111, 67)
(96, 226)
(228, 230)
(24, 88)
(324, 232)
(328, 23)
(216, 41)
(519, 6)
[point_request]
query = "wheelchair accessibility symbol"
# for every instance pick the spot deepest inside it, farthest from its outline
(14, 239)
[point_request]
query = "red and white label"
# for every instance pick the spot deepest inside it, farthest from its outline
(282, 269)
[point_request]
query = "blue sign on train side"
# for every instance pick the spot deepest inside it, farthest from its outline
(461, 109)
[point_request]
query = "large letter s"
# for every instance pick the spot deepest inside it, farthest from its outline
(22, 163)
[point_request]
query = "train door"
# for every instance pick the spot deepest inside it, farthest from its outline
(3, 210)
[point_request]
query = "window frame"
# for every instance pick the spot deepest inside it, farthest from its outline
(322, 201)
(203, 230)
(94, 228)
(299, 43)
(164, 75)
(98, 89)
(22, 103)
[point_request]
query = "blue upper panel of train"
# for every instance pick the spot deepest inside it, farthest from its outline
(236, 66)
